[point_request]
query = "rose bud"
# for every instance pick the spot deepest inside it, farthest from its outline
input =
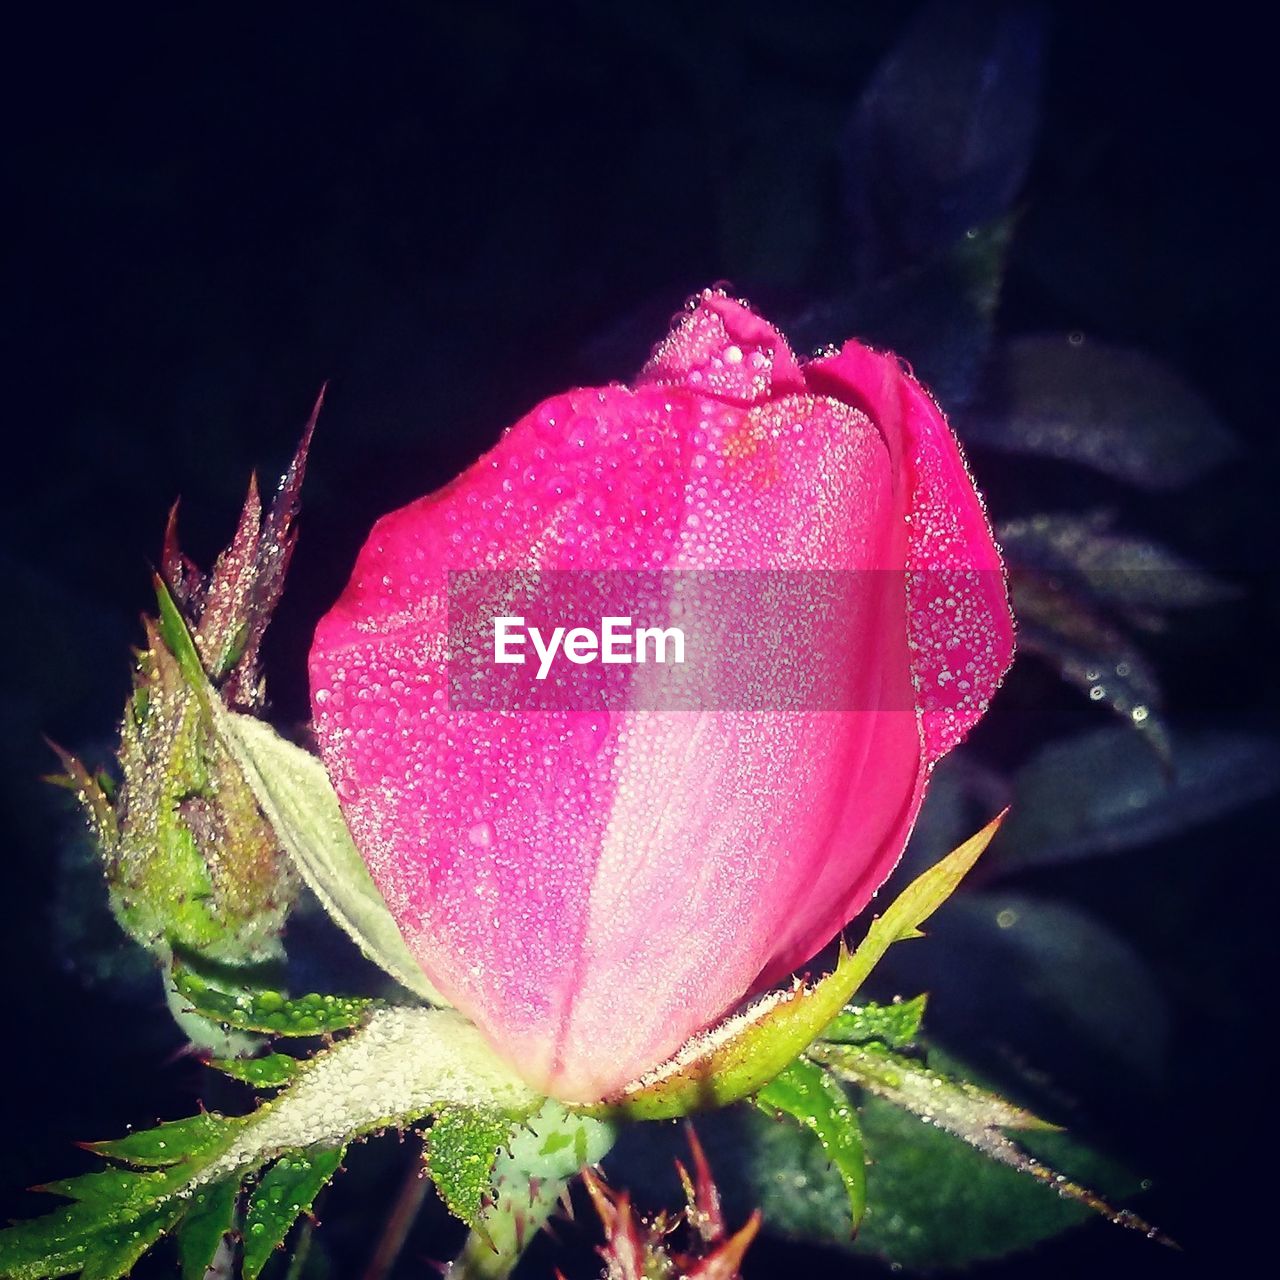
(593, 887)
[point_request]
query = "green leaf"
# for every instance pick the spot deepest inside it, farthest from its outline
(273, 1071)
(269, 1011)
(958, 1106)
(168, 1144)
(115, 1250)
(115, 1213)
(287, 1189)
(211, 1215)
(744, 1054)
(819, 1103)
(972, 1114)
(1116, 410)
(934, 1201)
(1099, 792)
(895, 1024)
(177, 636)
(295, 793)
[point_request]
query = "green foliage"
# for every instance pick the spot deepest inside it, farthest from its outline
(819, 1103)
(169, 1144)
(269, 1011)
(935, 1201)
(286, 1190)
(118, 1213)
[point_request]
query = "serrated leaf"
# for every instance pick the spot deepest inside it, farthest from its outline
(958, 1106)
(1088, 650)
(295, 793)
(167, 1144)
(934, 1201)
(210, 1214)
(1117, 411)
(286, 1190)
(974, 1115)
(115, 1250)
(1114, 567)
(107, 1213)
(895, 1024)
(273, 1071)
(462, 1146)
(818, 1102)
(744, 1054)
(270, 1011)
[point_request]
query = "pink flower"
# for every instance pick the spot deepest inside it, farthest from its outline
(592, 888)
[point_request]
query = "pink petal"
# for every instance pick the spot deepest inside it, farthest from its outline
(593, 887)
(722, 348)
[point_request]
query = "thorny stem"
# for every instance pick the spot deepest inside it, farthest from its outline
(530, 1176)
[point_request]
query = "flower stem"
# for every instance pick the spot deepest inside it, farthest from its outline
(529, 1178)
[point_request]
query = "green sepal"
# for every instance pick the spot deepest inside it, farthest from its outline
(294, 791)
(287, 1189)
(461, 1148)
(895, 1025)
(819, 1103)
(400, 1067)
(739, 1058)
(270, 1011)
(273, 1071)
(201, 1135)
(210, 1215)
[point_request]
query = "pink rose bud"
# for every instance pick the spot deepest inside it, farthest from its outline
(593, 883)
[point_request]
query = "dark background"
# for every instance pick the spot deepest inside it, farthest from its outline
(451, 211)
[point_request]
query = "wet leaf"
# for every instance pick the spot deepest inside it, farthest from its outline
(936, 1202)
(1118, 411)
(272, 1071)
(171, 1143)
(818, 1102)
(944, 134)
(402, 1066)
(1100, 792)
(287, 1189)
(895, 1024)
(210, 1215)
(462, 1146)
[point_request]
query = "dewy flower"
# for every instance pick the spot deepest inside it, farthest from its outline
(593, 888)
